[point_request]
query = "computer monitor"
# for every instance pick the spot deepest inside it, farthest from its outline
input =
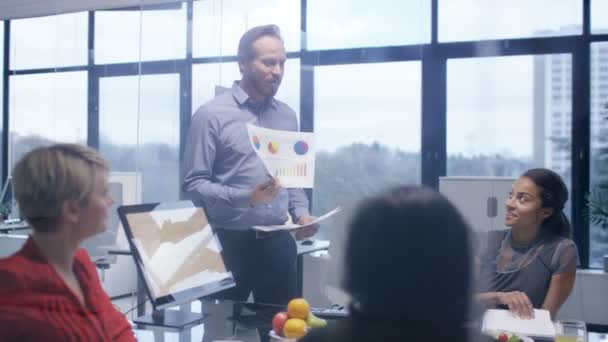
(176, 253)
(8, 205)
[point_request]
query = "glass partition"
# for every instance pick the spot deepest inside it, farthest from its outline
(599, 19)
(461, 20)
(508, 114)
(139, 130)
(342, 24)
(45, 109)
(358, 152)
(140, 35)
(1, 92)
(219, 24)
(598, 198)
(41, 42)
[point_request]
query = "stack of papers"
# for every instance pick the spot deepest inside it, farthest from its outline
(292, 226)
(495, 320)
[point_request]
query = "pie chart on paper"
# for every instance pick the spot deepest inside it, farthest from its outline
(256, 142)
(273, 147)
(300, 148)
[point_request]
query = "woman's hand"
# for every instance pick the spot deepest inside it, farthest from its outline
(518, 303)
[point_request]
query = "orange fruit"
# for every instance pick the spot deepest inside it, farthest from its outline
(298, 308)
(294, 328)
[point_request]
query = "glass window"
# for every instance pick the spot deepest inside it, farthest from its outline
(1, 92)
(47, 108)
(136, 35)
(219, 24)
(139, 130)
(207, 77)
(48, 42)
(503, 119)
(494, 19)
(599, 20)
(358, 153)
(355, 23)
(599, 156)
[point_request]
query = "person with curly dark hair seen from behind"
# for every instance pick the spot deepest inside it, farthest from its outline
(50, 290)
(532, 264)
(408, 270)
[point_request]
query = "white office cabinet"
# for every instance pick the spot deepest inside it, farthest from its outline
(481, 200)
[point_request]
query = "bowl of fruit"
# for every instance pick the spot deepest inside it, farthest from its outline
(503, 336)
(290, 325)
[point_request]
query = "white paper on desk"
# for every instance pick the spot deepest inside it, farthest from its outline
(504, 320)
(292, 226)
(289, 156)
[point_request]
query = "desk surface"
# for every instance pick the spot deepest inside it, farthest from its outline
(6, 228)
(220, 324)
(224, 320)
(317, 245)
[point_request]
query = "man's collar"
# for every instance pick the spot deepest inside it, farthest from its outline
(242, 97)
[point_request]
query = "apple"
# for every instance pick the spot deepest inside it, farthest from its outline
(278, 321)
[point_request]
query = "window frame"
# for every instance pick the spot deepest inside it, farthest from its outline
(433, 57)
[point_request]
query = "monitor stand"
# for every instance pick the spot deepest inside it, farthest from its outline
(175, 319)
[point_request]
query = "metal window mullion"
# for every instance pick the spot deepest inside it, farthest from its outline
(5, 103)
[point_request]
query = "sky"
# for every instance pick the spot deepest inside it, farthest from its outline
(489, 99)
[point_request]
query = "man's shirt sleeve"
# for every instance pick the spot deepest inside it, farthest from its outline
(199, 159)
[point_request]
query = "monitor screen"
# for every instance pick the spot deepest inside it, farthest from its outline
(8, 205)
(176, 252)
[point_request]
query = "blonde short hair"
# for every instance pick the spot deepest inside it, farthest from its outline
(46, 177)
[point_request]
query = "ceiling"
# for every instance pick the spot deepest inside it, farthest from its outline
(14, 9)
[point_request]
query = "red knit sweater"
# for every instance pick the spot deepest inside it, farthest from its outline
(36, 305)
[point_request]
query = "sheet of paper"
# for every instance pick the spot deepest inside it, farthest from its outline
(289, 156)
(292, 226)
(503, 320)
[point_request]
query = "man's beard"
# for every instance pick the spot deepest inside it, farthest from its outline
(267, 89)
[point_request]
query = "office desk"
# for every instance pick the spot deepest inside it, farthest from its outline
(11, 244)
(303, 249)
(317, 245)
(141, 291)
(20, 227)
(232, 321)
(224, 320)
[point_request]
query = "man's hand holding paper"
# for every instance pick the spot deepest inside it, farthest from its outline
(265, 192)
(309, 229)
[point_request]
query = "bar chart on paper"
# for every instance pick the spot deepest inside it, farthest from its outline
(298, 170)
(293, 173)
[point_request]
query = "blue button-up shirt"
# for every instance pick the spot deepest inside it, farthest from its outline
(222, 169)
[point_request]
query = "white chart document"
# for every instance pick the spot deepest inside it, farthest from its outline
(292, 226)
(289, 156)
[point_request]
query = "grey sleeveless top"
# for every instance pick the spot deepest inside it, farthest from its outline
(507, 266)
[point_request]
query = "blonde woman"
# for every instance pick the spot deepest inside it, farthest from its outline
(50, 290)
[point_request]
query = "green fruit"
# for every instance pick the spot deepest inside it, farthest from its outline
(514, 338)
(314, 321)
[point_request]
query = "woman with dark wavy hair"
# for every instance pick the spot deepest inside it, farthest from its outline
(532, 264)
(408, 271)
